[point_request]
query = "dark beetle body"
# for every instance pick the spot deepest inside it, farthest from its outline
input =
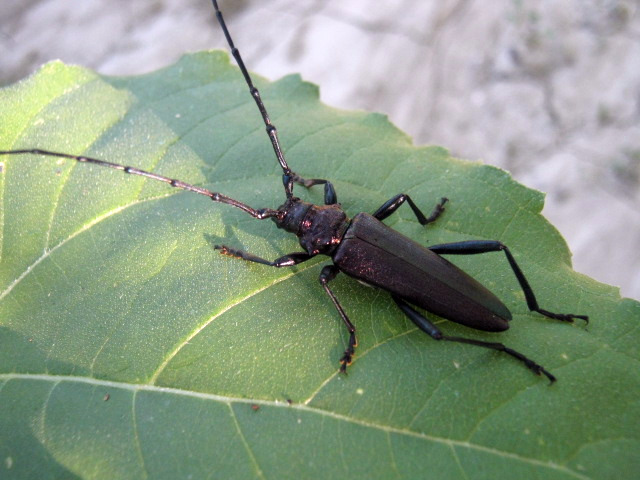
(378, 255)
(366, 249)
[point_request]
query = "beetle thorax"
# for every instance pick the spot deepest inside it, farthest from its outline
(320, 228)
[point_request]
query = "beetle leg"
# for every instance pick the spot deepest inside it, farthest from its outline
(392, 205)
(284, 261)
(330, 197)
(329, 273)
(426, 326)
(472, 247)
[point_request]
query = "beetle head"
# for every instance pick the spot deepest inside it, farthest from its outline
(291, 214)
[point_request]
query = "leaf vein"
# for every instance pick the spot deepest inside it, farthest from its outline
(301, 407)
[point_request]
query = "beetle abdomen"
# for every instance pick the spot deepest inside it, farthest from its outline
(378, 255)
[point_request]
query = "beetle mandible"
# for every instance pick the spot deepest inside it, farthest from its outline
(366, 249)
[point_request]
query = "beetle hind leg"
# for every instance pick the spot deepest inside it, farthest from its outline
(428, 327)
(472, 247)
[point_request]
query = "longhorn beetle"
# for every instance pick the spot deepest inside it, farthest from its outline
(366, 249)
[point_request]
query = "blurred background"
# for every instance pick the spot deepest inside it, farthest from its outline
(547, 90)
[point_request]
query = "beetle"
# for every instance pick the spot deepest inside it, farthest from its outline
(366, 249)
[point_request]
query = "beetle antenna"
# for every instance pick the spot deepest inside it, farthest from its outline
(216, 197)
(288, 176)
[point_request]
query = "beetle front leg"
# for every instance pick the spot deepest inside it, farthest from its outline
(329, 273)
(472, 247)
(284, 261)
(330, 197)
(426, 326)
(392, 205)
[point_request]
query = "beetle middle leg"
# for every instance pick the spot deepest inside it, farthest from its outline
(392, 205)
(329, 273)
(426, 326)
(472, 247)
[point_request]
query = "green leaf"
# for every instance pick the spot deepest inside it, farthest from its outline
(130, 348)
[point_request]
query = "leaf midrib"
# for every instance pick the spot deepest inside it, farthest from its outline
(227, 400)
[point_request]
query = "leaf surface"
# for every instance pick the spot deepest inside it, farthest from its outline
(129, 348)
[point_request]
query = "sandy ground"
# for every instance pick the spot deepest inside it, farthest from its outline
(548, 90)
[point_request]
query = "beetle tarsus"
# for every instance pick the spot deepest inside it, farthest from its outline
(224, 250)
(533, 366)
(564, 317)
(347, 357)
(437, 211)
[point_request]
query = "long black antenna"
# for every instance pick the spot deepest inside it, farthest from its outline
(288, 176)
(216, 197)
